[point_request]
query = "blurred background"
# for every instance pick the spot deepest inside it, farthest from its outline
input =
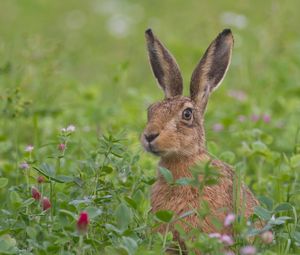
(85, 63)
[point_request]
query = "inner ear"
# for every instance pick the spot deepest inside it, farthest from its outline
(164, 66)
(212, 68)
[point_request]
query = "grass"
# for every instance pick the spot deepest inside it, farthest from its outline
(84, 63)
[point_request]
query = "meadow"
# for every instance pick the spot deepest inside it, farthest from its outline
(75, 84)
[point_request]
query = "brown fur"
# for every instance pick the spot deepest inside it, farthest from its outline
(180, 141)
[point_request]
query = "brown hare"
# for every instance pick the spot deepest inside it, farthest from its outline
(175, 133)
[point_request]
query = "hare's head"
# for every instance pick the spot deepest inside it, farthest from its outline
(175, 125)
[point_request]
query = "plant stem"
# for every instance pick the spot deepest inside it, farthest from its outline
(165, 236)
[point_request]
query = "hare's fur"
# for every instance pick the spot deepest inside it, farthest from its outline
(175, 132)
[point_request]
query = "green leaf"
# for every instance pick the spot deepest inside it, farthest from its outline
(93, 211)
(31, 232)
(48, 169)
(268, 202)
(131, 202)
(123, 216)
(112, 228)
(107, 169)
(262, 213)
(15, 198)
(28, 202)
(260, 147)
(228, 157)
(184, 181)
(283, 207)
(64, 178)
(138, 197)
(186, 214)
(129, 244)
(68, 213)
(3, 182)
(7, 245)
(297, 236)
(164, 215)
(149, 180)
(212, 147)
(167, 174)
(295, 161)
(50, 177)
(279, 220)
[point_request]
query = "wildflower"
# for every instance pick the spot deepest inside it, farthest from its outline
(239, 95)
(35, 193)
(241, 118)
(229, 253)
(229, 219)
(71, 128)
(29, 148)
(234, 19)
(255, 117)
(214, 235)
(40, 179)
(46, 204)
(267, 237)
(62, 146)
(218, 127)
(24, 165)
(266, 118)
(83, 222)
(248, 250)
(63, 130)
(227, 240)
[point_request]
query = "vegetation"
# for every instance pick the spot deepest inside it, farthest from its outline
(74, 87)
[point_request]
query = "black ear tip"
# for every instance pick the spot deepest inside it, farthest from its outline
(226, 31)
(149, 32)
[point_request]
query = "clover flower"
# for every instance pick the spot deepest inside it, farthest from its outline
(83, 222)
(230, 218)
(29, 148)
(24, 165)
(46, 204)
(248, 250)
(35, 193)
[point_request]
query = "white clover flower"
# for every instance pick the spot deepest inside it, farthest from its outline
(24, 165)
(71, 128)
(214, 235)
(230, 218)
(248, 250)
(29, 148)
(227, 240)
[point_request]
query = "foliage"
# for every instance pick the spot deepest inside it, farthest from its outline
(84, 63)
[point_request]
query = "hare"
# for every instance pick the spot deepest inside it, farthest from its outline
(175, 133)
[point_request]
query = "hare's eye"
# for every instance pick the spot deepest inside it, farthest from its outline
(187, 114)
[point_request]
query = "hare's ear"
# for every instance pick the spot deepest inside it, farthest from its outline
(164, 66)
(211, 69)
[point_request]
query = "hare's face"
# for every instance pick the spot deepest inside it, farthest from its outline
(173, 128)
(175, 125)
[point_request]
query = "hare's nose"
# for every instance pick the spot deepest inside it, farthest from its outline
(151, 137)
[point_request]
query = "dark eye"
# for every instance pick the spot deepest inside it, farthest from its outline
(187, 114)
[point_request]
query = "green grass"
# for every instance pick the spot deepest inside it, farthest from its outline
(64, 62)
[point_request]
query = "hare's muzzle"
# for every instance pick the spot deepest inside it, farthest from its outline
(148, 140)
(150, 137)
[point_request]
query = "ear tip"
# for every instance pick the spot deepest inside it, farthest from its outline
(226, 31)
(149, 32)
(226, 35)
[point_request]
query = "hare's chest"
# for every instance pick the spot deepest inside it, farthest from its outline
(179, 199)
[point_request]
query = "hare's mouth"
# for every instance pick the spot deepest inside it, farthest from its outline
(149, 147)
(153, 150)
